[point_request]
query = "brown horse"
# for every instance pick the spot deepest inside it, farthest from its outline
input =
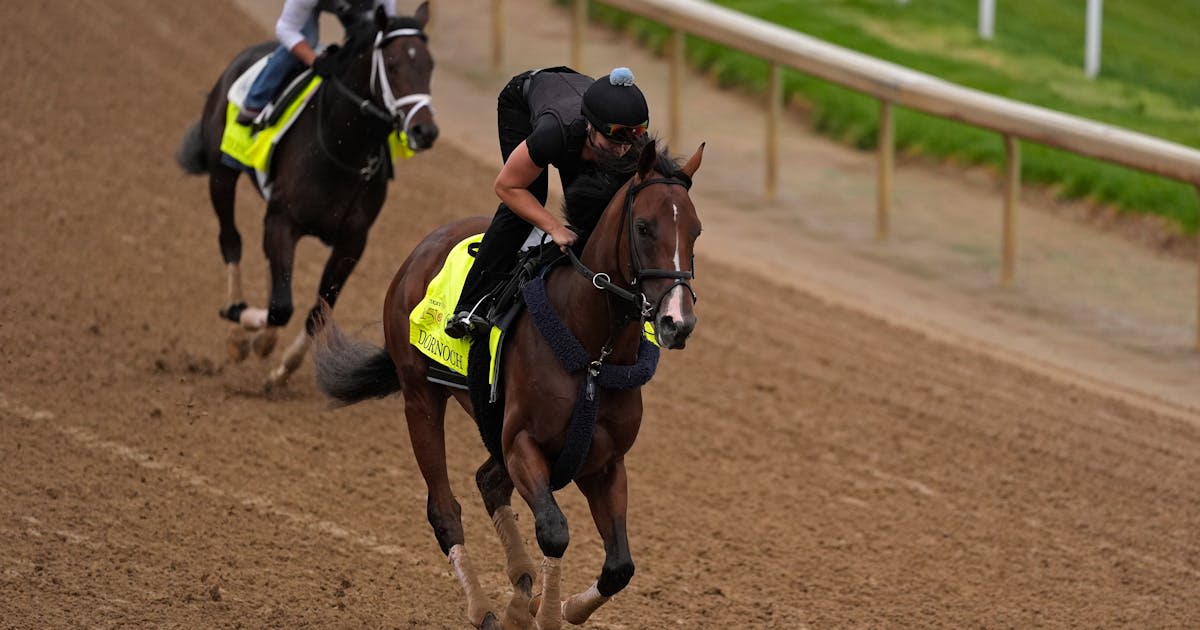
(329, 174)
(641, 254)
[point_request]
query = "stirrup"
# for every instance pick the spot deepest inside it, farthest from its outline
(247, 116)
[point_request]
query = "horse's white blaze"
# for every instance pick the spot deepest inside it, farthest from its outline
(674, 305)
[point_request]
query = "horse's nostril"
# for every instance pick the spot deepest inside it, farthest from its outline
(425, 134)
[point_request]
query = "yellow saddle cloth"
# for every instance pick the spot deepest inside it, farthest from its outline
(427, 322)
(254, 150)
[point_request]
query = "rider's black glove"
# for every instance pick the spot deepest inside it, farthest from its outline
(325, 65)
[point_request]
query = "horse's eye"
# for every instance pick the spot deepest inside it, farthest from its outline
(643, 229)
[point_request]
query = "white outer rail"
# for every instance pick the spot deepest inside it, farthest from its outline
(892, 85)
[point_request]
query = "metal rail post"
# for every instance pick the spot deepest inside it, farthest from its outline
(887, 159)
(1012, 190)
(774, 113)
(675, 100)
(579, 11)
(497, 35)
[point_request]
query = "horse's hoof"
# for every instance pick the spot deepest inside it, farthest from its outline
(276, 379)
(489, 623)
(517, 616)
(264, 342)
(237, 345)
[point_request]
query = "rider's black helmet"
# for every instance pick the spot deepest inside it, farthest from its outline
(616, 107)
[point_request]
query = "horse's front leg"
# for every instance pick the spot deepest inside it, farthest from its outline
(607, 498)
(279, 244)
(530, 475)
(496, 489)
(342, 260)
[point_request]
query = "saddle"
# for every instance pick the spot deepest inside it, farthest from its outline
(295, 84)
(252, 148)
(447, 359)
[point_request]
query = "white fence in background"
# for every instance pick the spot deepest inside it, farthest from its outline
(892, 85)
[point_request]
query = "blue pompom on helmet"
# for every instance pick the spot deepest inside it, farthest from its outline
(616, 107)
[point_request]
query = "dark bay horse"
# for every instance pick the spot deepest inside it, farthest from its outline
(635, 267)
(329, 172)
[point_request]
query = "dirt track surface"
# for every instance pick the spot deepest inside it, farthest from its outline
(845, 473)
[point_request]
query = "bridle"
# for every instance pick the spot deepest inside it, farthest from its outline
(634, 295)
(399, 112)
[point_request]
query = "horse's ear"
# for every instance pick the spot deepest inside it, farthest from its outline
(693, 163)
(422, 14)
(647, 159)
(381, 19)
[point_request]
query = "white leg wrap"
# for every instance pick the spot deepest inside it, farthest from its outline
(294, 355)
(292, 358)
(233, 278)
(477, 604)
(519, 562)
(253, 318)
(549, 615)
(579, 607)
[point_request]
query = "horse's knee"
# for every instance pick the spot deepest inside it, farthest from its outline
(279, 314)
(615, 576)
(552, 533)
(447, 527)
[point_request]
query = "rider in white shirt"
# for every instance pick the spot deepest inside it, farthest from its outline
(298, 32)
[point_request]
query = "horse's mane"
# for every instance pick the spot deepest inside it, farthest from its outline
(587, 197)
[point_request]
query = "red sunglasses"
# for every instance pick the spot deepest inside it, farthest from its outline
(624, 133)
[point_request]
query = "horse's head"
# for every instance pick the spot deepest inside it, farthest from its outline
(401, 68)
(656, 233)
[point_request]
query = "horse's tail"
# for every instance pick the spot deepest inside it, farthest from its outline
(349, 370)
(190, 155)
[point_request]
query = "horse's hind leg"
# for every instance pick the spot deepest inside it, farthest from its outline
(496, 489)
(425, 411)
(279, 244)
(222, 190)
(607, 498)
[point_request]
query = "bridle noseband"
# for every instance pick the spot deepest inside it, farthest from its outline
(395, 116)
(633, 295)
(396, 106)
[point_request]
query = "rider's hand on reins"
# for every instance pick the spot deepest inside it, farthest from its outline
(564, 237)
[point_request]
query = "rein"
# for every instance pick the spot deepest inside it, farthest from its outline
(366, 106)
